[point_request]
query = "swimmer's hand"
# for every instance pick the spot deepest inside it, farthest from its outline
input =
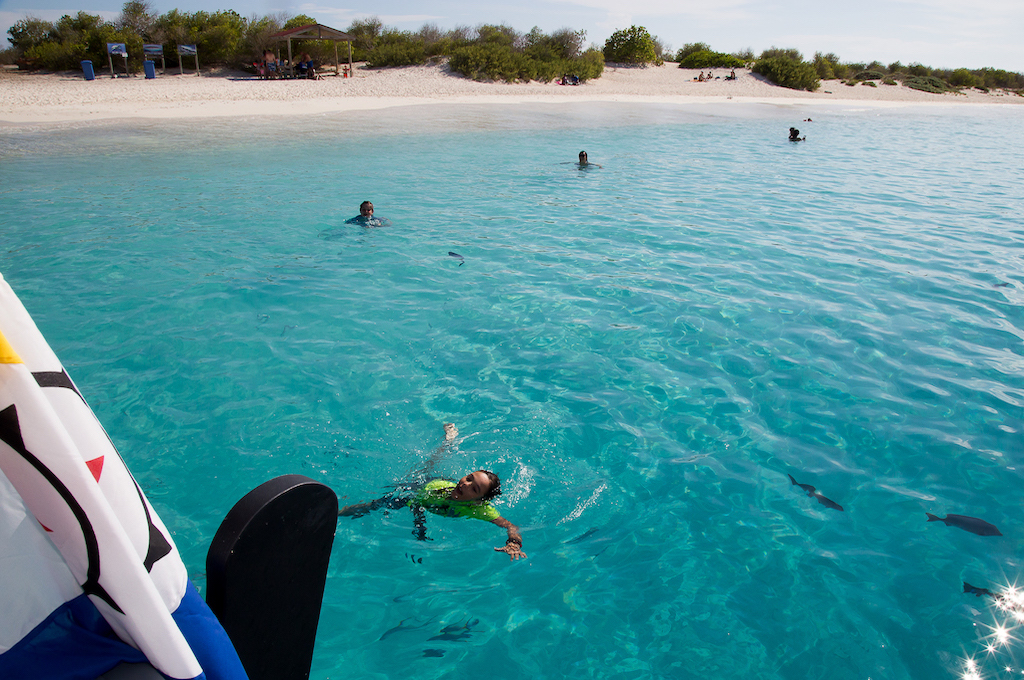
(514, 545)
(513, 549)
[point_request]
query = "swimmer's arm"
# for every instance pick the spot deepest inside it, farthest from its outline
(514, 545)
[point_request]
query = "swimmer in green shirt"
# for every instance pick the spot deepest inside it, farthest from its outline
(466, 498)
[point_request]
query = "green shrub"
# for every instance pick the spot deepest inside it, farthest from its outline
(76, 38)
(562, 44)
(706, 59)
(633, 45)
(365, 33)
(589, 65)
(824, 65)
(396, 48)
(27, 33)
(487, 62)
(869, 75)
(796, 75)
(962, 78)
(790, 54)
(888, 81)
(746, 55)
(870, 83)
(998, 78)
(927, 84)
(691, 48)
(497, 61)
(59, 56)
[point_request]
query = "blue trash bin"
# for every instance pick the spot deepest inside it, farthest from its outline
(150, 68)
(87, 69)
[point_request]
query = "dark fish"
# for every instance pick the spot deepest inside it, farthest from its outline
(402, 628)
(1000, 285)
(814, 493)
(433, 652)
(461, 259)
(976, 591)
(972, 524)
(582, 537)
(455, 632)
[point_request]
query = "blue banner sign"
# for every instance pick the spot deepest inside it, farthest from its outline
(119, 49)
(187, 49)
(153, 50)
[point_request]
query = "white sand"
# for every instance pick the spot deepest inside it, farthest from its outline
(27, 98)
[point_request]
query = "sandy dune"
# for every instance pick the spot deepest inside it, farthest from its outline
(44, 98)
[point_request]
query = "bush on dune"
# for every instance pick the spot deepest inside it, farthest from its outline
(633, 45)
(488, 52)
(397, 48)
(869, 75)
(787, 68)
(500, 53)
(928, 84)
(492, 61)
(708, 59)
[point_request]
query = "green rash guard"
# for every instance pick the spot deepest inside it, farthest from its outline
(433, 497)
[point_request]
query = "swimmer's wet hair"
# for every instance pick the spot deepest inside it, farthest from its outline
(495, 489)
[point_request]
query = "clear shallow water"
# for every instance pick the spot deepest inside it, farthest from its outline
(643, 352)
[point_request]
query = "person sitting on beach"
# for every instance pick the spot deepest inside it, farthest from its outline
(732, 75)
(794, 135)
(306, 67)
(700, 78)
(366, 218)
(468, 497)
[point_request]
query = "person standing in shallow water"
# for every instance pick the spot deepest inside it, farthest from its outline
(469, 497)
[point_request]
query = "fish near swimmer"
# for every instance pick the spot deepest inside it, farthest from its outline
(971, 524)
(814, 493)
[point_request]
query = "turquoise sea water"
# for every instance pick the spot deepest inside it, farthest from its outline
(642, 351)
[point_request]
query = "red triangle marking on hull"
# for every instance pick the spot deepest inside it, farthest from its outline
(95, 467)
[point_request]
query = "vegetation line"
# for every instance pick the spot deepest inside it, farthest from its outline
(486, 52)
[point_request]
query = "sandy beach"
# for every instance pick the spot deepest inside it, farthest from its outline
(27, 98)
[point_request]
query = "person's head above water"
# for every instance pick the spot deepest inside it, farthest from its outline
(366, 209)
(583, 157)
(481, 485)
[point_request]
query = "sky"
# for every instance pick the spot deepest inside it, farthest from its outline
(936, 33)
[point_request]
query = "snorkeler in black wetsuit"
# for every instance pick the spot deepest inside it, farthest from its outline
(794, 135)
